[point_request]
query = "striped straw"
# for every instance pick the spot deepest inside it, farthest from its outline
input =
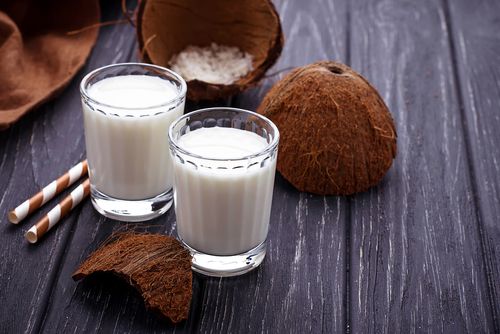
(58, 212)
(47, 193)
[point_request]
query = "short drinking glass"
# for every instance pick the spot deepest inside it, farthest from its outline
(224, 168)
(127, 110)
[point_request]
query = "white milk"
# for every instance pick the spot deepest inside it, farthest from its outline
(222, 211)
(129, 156)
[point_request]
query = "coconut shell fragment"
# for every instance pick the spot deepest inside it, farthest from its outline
(156, 265)
(337, 136)
(167, 27)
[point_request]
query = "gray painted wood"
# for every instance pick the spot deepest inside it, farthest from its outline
(418, 253)
(33, 153)
(475, 28)
(301, 286)
(416, 262)
(304, 272)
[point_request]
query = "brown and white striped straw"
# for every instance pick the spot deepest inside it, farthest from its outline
(58, 212)
(47, 193)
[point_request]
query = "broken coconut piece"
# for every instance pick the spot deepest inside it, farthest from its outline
(166, 28)
(216, 64)
(337, 136)
(158, 266)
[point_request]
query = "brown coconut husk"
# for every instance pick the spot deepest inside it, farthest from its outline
(37, 56)
(337, 135)
(156, 265)
(167, 27)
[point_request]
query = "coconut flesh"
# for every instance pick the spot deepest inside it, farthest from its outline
(215, 64)
(337, 136)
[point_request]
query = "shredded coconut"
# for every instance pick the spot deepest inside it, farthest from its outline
(217, 64)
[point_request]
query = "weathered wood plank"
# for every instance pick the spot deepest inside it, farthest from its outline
(417, 262)
(475, 28)
(34, 152)
(416, 254)
(27, 272)
(301, 286)
(105, 303)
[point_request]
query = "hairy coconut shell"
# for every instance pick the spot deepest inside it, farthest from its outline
(166, 27)
(337, 136)
(157, 265)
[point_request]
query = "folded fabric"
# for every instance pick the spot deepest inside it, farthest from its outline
(38, 57)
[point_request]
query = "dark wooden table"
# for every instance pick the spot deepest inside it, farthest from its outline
(418, 253)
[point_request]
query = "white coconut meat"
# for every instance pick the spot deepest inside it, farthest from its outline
(216, 64)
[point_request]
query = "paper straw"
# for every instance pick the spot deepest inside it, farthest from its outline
(47, 193)
(58, 212)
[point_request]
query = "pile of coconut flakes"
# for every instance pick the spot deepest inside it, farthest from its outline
(216, 64)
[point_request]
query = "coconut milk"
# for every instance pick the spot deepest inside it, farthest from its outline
(222, 211)
(127, 141)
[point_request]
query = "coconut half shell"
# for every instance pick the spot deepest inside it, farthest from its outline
(337, 136)
(167, 27)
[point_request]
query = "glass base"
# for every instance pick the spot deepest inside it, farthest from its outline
(226, 266)
(131, 211)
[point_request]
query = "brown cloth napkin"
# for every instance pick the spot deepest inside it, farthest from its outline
(37, 56)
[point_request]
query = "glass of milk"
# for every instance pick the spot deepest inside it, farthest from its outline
(224, 167)
(127, 110)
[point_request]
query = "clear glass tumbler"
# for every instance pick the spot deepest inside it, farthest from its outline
(224, 168)
(127, 111)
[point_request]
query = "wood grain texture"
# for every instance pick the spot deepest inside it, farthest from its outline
(34, 152)
(103, 304)
(300, 286)
(475, 28)
(416, 255)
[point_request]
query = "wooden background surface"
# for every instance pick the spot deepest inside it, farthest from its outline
(418, 253)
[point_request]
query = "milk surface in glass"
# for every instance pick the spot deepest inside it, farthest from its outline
(127, 143)
(222, 211)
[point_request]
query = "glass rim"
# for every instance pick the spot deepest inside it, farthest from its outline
(268, 149)
(180, 94)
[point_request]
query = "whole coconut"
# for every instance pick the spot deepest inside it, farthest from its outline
(337, 135)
